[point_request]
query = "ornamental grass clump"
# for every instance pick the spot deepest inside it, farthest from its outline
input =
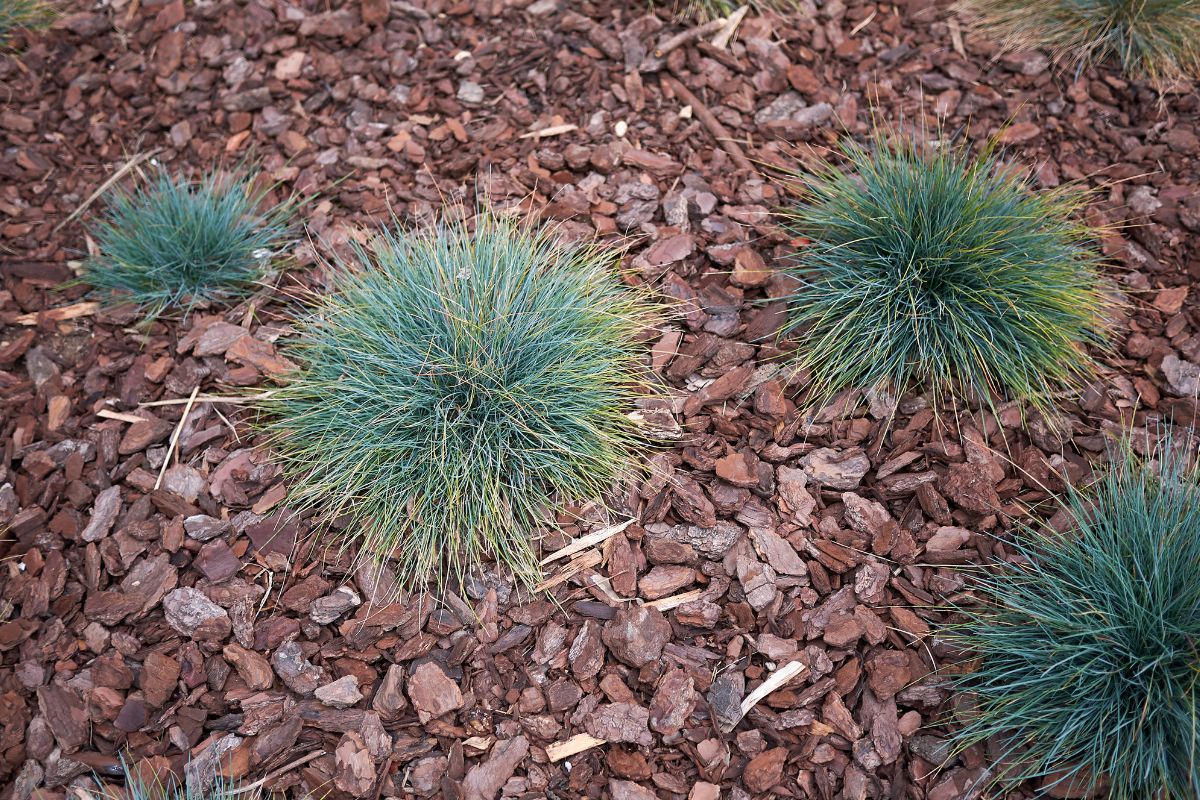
(1154, 39)
(175, 244)
(929, 269)
(18, 15)
(455, 385)
(1087, 646)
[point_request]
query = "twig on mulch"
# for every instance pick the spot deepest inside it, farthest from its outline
(569, 747)
(579, 563)
(584, 542)
(132, 419)
(187, 409)
(721, 40)
(690, 35)
(777, 679)
(719, 131)
(209, 398)
(60, 314)
(667, 603)
(116, 176)
(553, 130)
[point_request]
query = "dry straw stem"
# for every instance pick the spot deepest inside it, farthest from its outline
(458, 384)
(1158, 40)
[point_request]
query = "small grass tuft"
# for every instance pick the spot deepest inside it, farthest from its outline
(1154, 39)
(454, 386)
(173, 243)
(18, 15)
(147, 785)
(1088, 660)
(706, 10)
(930, 268)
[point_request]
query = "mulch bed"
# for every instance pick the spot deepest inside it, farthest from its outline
(196, 619)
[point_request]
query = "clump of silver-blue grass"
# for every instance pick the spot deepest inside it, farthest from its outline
(456, 385)
(1158, 40)
(171, 243)
(928, 268)
(1087, 646)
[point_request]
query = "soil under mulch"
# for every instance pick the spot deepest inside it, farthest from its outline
(199, 620)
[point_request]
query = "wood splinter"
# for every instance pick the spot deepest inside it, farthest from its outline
(719, 131)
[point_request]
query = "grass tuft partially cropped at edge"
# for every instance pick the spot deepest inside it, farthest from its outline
(1154, 39)
(929, 269)
(138, 786)
(454, 386)
(23, 15)
(173, 244)
(1088, 660)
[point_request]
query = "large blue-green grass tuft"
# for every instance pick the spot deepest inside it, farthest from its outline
(928, 269)
(455, 385)
(1087, 644)
(171, 244)
(1154, 39)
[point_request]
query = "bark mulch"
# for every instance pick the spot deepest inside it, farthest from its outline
(195, 619)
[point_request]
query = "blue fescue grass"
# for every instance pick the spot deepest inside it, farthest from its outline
(23, 15)
(172, 244)
(1087, 646)
(454, 386)
(137, 787)
(930, 269)
(1154, 39)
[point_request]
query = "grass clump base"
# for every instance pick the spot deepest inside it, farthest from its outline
(455, 385)
(18, 15)
(141, 781)
(173, 243)
(929, 268)
(1088, 661)
(1154, 39)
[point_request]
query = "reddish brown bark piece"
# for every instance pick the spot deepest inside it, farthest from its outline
(673, 701)
(888, 671)
(432, 692)
(389, 698)
(191, 613)
(628, 790)
(66, 715)
(637, 634)
(158, 678)
(252, 667)
(484, 780)
(621, 722)
(354, 767)
(764, 770)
